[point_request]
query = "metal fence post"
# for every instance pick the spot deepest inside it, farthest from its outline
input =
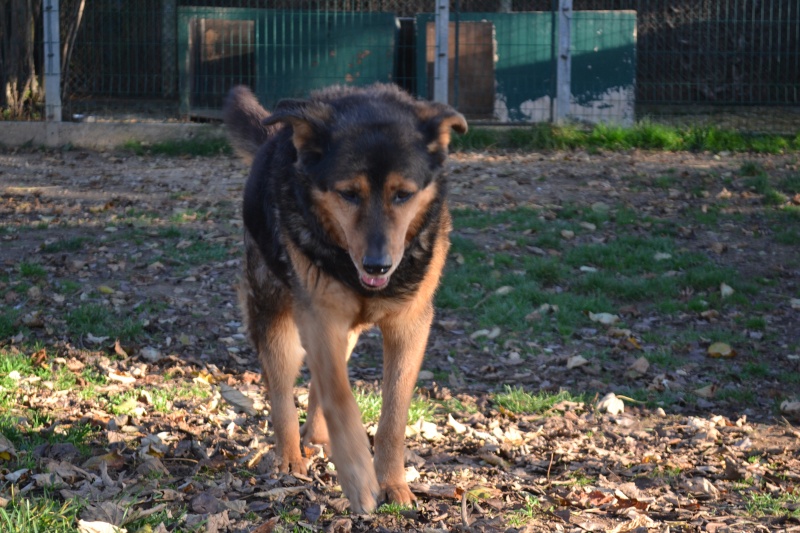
(440, 65)
(563, 61)
(52, 62)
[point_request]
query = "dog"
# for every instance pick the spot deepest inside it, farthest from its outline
(346, 226)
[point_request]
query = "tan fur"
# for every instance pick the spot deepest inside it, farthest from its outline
(311, 312)
(329, 319)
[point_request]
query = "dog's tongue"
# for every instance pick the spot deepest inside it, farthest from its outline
(374, 282)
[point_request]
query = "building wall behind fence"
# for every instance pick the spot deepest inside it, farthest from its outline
(688, 53)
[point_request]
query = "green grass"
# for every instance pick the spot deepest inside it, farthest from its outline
(203, 146)
(101, 321)
(643, 135)
(44, 515)
(525, 514)
(519, 401)
(32, 270)
(8, 321)
(632, 268)
(369, 403)
(152, 399)
(66, 245)
(393, 508)
(764, 504)
(24, 432)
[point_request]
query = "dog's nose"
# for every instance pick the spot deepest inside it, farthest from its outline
(377, 265)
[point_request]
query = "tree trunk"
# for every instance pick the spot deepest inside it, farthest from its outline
(71, 17)
(21, 91)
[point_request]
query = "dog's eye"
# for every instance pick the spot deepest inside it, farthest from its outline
(402, 196)
(350, 196)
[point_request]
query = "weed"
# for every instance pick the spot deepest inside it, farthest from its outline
(66, 245)
(32, 270)
(766, 504)
(529, 510)
(201, 146)
(738, 396)
(393, 508)
(517, 400)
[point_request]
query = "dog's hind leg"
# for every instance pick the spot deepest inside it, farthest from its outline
(267, 307)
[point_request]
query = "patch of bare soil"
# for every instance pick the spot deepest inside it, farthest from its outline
(156, 242)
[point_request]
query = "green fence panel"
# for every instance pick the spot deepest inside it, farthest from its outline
(279, 53)
(306, 51)
(603, 63)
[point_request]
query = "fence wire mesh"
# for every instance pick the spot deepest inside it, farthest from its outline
(731, 62)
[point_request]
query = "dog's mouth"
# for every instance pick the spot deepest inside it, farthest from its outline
(374, 282)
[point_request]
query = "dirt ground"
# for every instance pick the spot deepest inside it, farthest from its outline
(101, 228)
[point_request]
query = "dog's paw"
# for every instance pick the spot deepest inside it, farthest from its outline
(315, 431)
(363, 495)
(397, 493)
(293, 463)
(360, 485)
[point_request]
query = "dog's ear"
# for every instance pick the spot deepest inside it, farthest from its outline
(438, 121)
(308, 120)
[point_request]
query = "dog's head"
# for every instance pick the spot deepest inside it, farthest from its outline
(372, 159)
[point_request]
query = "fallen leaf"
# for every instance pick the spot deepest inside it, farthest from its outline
(412, 474)
(725, 290)
(707, 392)
(14, 477)
(607, 319)
(721, 349)
(700, 488)
(237, 400)
(576, 360)
(611, 404)
(425, 375)
(122, 377)
(457, 426)
(96, 340)
(7, 450)
(280, 493)
(150, 354)
(99, 527)
(112, 459)
(640, 366)
(790, 408)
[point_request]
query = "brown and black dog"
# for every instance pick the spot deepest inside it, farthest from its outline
(346, 226)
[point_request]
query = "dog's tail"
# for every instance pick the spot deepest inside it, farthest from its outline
(244, 118)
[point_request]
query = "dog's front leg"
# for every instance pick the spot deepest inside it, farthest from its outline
(315, 431)
(325, 337)
(404, 340)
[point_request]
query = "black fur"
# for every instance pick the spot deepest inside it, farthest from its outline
(374, 130)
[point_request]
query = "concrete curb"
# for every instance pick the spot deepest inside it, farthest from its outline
(101, 135)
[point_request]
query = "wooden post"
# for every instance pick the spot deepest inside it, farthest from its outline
(564, 61)
(440, 63)
(52, 61)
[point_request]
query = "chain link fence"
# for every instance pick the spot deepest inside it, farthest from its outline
(735, 63)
